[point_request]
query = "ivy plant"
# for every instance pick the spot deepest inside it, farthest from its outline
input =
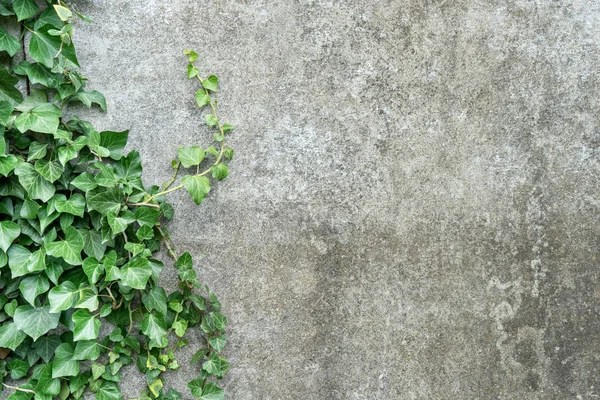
(79, 231)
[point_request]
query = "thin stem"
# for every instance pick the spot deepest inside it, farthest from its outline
(172, 252)
(168, 184)
(18, 388)
(143, 205)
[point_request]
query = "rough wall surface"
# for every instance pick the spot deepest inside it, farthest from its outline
(412, 212)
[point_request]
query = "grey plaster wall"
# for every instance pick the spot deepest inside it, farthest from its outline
(412, 212)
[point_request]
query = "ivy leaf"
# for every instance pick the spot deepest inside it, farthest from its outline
(218, 343)
(211, 120)
(75, 205)
(211, 83)
(180, 327)
(44, 47)
(35, 322)
(18, 369)
(63, 296)
(6, 110)
(18, 260)
(50, 170)
(155, 299)
(9, 231)
(212, 392)
(108, 391)
(8, 91)
(90, 97)
(66, 154)
(37, 150)
(85, 182)
(63, 12)
(7, 164)
(92, 243)
(136, 273)
(43, 118)
(9, 43)
(190, 156)
(64, 364)
(33, 286)
(10, 336)
(197, 186)
(35, 184)
(93, 269)
(46, 345)
(219, 171)
(46, 384)
(115, 142)
(147, 216)
(153, 326)
(202, 98)
(88, 297)
(86, 350)
(25, 9)
(87, 326)
(69, 249)
(184, 261)
(130, 166)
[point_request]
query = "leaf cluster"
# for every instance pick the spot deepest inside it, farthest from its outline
(79, 232)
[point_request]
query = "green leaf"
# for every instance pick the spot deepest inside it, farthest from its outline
(130, 166)
(63, 296)
(9, 43)
(115, 142)
(202, 98)
(86, 350)
(25, 9)
(46, 384)
(155, 299)
(85, 182)
(43, 118)
(119, 224)
(64, 364)
(7, 164)
(9, 231)
(93, 269)
(196, 387)
(211, 83)
(212, 392)
(98, 370)
(197, 186)
(211, 120)
(218, 343)
(44, 47)
(66, 154)
(18, 260)
(193, 55)
(136, 273)
(180, 327)
(18, 369)
(220, 320)
(153, 326)
(35, 322)
(156, 387)
(38, 73)
(75, 205)
(212, 365)
(191, 71)
(144, 233)
(30, 209)
(184, 261)
(46, 345)
(69, 249)
(90, 97)
(37, 150)
(107, 201)
(10, 336)
(35, 184)
(87, 326)
(108, 391)
(63, 12)
(227, 127)
(147, 216)
(8, 91)
(190, 156)
(33, 286)
(92, 243)
(6, 110)
(219, 171)
(50, 170)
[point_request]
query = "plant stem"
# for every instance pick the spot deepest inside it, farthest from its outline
(18, 388)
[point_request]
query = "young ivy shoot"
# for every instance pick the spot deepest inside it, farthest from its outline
(79, 231)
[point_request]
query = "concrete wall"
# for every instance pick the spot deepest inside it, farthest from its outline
(412, 212)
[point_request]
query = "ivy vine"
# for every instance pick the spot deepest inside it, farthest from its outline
(79, 232)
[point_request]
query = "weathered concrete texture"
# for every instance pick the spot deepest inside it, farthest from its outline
(412, 212)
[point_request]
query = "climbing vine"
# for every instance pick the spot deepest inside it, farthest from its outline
(79, 231)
